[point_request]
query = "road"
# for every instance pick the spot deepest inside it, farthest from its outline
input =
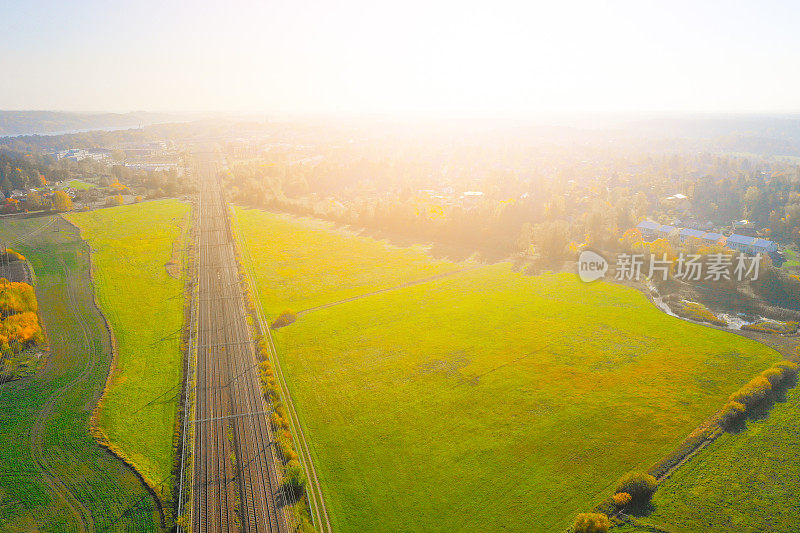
(235, 480)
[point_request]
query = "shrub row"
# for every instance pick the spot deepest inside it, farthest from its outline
(279, 420)
(638, 487)
(294, 478)
(756, 391)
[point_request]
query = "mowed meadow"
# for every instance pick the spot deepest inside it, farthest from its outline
(130, 246)
(482, 401)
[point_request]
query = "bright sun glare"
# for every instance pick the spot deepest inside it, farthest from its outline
(506, 58)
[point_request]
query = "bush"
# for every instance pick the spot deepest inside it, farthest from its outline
(639, 485)
(773, 375)
(753, 392)
(287, 451)
(789, 368)
(115, 200)
(294, 478)
(699, 312)
(278, 422)
(265, 371)
(285, 318)
(11, 255)
(592, 523)
(621, 499)
(731, 413)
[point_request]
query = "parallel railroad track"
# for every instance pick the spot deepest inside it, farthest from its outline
(235, 478)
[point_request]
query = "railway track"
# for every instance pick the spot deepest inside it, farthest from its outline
(235, 478)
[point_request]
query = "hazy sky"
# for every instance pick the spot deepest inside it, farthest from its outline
(460, 57)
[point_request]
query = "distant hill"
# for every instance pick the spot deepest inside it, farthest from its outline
(52, 122)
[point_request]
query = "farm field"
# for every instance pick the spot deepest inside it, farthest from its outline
(302, 263)
(511, 402)
(130, 247)
(55, 477)
(744, 481)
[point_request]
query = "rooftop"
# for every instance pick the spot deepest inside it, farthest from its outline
(690, 232)
(648, 224)
(741, 239)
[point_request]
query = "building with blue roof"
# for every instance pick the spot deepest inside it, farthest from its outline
(763, 246)
(665, 230)
(648, 228)
(750, 245)
(689, 233)
(743, 243)
(713, 238)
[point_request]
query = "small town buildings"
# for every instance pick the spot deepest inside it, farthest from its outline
(744, 243)
(648, 228)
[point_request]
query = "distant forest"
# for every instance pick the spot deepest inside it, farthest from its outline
(52, 122)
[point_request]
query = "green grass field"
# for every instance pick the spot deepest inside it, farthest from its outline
(303, 263)
(744, 482)
(130, 246)
(54, 475)
(486, 400)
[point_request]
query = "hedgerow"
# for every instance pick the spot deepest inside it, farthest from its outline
(756, 391)
(731, 412)
(772, 326)
(753, 392)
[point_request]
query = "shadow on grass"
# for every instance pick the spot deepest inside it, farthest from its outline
(761, 410)
(455, 250)
(640, 509)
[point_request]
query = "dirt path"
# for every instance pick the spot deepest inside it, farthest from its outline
(396, 287)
